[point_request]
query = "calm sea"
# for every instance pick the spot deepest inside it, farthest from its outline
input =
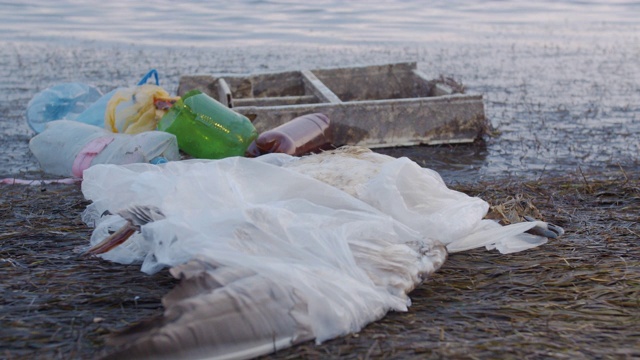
(561, 79)
(322, 22)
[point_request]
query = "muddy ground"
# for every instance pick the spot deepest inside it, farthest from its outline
(575, 297)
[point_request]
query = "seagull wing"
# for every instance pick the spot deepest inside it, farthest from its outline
(218, 313)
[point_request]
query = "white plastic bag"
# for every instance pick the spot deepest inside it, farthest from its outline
(67, 148)
(347, 234)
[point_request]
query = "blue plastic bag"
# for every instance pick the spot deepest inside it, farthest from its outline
(73, 101)
(64, 101)
(94, 114)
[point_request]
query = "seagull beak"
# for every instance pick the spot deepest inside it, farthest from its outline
(113, 240)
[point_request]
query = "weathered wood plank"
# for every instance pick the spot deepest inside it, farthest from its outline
(314, 86)
(380, 123)
(275, 101)
(224, 93)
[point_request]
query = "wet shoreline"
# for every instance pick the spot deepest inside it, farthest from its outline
(575, 296)
(557, 106)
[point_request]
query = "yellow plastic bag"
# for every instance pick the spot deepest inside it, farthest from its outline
(137, 109)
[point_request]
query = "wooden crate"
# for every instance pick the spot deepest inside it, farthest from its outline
(374, 106)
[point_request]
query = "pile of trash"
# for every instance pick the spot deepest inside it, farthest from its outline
(78, 127)
(326, 243)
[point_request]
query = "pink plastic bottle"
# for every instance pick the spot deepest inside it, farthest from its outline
(302, 135)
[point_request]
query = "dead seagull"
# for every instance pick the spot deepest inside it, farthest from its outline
(278, 250)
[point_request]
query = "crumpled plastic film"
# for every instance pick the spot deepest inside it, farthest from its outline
(133, 110)
(363, 227)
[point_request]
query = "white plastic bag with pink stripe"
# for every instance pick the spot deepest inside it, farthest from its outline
(67, 148)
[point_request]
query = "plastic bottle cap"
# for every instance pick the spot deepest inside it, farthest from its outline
(158, 160)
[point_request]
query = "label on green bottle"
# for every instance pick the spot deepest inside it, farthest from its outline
(207, 129)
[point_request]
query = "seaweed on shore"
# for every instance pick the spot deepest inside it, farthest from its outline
(576, 297)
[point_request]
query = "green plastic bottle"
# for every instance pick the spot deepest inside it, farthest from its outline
(206, 129)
